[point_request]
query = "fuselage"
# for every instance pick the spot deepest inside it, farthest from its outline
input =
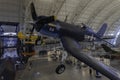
(58, 29)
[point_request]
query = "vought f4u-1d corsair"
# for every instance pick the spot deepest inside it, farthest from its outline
(70, 35)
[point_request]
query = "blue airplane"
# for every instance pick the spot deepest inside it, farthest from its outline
(70, 35)
(113, 53)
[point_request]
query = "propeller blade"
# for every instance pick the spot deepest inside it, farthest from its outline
(45, 20)
(106, 41)
(39, 21)
(42, 21)
(33, 12)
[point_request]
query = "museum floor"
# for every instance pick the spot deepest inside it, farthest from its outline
(44, 70)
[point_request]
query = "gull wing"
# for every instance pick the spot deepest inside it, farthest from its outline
(73, 47)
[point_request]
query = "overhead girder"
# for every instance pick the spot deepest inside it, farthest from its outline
(91, 9)
(113, 11)
(67, 10)
(70, 16)
(57, 8)
(88, 4)
(114, 18)
(54, 6)
(43, 6)
(106, 13)
(78, 9)
(100, 7)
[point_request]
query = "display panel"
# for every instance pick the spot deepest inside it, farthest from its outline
(9, 40)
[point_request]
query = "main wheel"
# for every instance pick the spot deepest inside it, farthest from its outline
(60, 69)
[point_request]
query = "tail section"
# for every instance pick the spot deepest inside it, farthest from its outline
(102, 30)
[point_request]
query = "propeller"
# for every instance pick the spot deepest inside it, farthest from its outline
(39, 21)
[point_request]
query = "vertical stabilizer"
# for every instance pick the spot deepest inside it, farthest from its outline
(102, 30)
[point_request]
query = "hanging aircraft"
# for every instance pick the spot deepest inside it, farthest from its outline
(92, 37)
(108, 49)
(113, 53)
(70, 35)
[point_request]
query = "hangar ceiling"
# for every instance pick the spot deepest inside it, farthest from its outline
(11, 10)
(91, 12)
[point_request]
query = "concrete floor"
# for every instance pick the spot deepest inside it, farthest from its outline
(44, 70)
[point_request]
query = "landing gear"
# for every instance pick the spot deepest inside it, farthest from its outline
(98, 75)
(60, 69)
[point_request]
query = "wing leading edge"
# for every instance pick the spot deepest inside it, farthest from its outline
(73, 47)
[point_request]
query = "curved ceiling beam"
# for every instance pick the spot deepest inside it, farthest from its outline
(98, 10)
(67, 10)
(106, 13)
(90, 10)
(82, 10)
(113, 11)
(79, 9)
(114, 18)
(58, 5)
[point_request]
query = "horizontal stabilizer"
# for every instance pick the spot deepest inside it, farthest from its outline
(108, 37)
(108, 49)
